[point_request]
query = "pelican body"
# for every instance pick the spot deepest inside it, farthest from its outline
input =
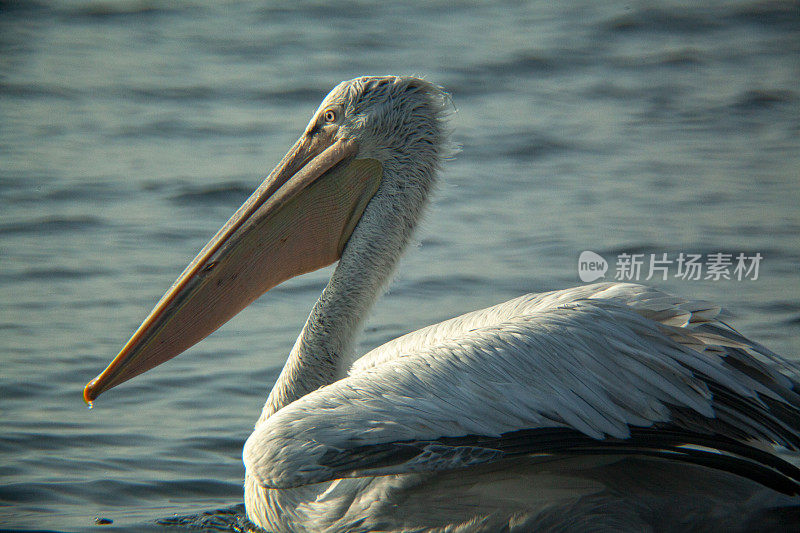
(606, 407)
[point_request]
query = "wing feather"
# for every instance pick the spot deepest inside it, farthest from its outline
(597, 369)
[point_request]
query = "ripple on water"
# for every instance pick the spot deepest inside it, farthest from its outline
(215, 194)
(53, 225)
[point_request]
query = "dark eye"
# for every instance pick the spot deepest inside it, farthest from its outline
(329, 116)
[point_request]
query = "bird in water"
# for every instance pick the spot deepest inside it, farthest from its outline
(604, 407)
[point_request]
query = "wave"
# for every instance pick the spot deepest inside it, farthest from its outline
(53, 225)
(216, 194)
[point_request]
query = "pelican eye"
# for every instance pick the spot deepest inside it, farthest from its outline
(329, 116)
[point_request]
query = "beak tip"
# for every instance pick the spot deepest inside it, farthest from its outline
(90, 392)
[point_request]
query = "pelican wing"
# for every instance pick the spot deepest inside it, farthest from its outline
(603, 369)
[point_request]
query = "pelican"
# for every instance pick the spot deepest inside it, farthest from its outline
(605, 407)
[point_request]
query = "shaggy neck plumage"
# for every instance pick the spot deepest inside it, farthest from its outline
(324, 350)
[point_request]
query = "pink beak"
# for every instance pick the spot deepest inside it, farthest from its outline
(297, 221)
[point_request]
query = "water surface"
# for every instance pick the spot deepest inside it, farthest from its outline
(130, 131)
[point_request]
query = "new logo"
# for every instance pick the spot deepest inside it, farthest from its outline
(591, 266)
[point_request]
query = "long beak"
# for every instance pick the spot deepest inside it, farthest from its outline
(297, 221)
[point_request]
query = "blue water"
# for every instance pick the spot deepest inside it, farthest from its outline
(130, 131)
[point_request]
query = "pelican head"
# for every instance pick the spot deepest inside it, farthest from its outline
(357, 178)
